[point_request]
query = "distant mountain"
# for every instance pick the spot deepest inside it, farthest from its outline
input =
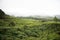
(42, 17)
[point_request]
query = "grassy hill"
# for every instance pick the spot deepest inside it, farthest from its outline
(17, 28)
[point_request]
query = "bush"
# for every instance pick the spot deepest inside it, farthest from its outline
(12, 24)
(2, 23)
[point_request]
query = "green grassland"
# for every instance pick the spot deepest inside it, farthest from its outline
(17, 28)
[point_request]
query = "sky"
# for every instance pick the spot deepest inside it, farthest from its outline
(30, 7)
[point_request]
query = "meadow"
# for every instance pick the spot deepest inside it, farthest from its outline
(28, 28)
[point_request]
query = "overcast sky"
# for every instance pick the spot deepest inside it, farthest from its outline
(31, 7)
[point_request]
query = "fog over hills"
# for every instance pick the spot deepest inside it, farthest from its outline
(31, 7)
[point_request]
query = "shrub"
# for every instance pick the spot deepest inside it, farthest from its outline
(12, 24)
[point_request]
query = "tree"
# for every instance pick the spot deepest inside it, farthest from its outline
(55, 19)
(2, 14)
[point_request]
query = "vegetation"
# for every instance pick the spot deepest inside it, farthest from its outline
(20, 28)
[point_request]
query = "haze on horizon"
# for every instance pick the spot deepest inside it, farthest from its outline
(31, 7)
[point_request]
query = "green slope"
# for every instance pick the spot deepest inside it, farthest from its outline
(15, 28)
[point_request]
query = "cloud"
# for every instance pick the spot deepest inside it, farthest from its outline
(31, 7)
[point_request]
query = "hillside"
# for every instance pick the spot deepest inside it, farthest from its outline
(25, 28)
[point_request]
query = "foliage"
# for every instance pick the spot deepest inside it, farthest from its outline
(12, 24)
(15, 28)
(55, 19)
(2, 14)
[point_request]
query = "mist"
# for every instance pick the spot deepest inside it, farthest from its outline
(31, 7)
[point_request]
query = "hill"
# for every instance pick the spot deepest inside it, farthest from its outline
(28, 28)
